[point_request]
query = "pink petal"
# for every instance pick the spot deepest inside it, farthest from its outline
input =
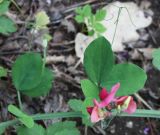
(131, 107)
(103, 94)
(94, 116)
(121, 100)
(96, 102)
(89, 110)
(110, 96)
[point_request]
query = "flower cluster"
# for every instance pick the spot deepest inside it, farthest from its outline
(102, 109)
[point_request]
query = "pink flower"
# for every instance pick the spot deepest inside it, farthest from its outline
(126, 104)
(101, 109)
(108, 97)
(96, 112)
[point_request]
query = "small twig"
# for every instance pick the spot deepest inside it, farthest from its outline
(71, 8)
(86, 130)
(143, 101)
(60, 44)
(101, 130)
(77, 64)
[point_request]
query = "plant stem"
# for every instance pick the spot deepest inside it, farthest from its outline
(19, 100)
(116, 22)
(44, 58)
(139, 113)
(57, 115)
(43, 117)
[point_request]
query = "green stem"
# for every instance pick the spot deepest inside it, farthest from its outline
(44, 58)
(43, 117)
(116, 22)
(57, 115)
(19, 100)
(142, 113)
(139, 113)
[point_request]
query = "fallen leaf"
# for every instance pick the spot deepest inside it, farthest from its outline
(128, 24)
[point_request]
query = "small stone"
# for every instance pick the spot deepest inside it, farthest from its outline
(129, 124)
(112, 129)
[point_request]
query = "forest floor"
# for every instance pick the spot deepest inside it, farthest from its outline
(67, 77)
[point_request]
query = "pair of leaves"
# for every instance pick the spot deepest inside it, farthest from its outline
(85, 13)
(60, 128)
(25, 119)
(7, 26)
(101, 70)
(29, 77)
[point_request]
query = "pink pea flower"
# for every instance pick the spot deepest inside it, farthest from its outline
(101, 109)
(96, 112)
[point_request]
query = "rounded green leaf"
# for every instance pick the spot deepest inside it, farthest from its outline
(89, 89)
(35, 130)
(4, 6)
(43, 87)
(60, 128)
(75, 104)
(100, 15)
(99, 27)
(7, 26)
(26, 71)
(87, 10)
(131, 78)
(79, 18)
(98, 60)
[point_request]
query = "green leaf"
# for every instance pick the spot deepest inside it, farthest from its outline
(68, 132)
(89, 89)
(131, 77)
(35, 130)
(3, 72)
(99, 27)
(15, 111)
(79, 10)
(27, 71)
(98, 60)
(79, 18)
(75, 104)
(156, 58)
(91, 32)
(2, 129)
(25, 119)
(4, 6)
(100, 15)
(7, 26)
(43, 87)
(88, 102)
(87, 10)
(42, 20)
(63, 127)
